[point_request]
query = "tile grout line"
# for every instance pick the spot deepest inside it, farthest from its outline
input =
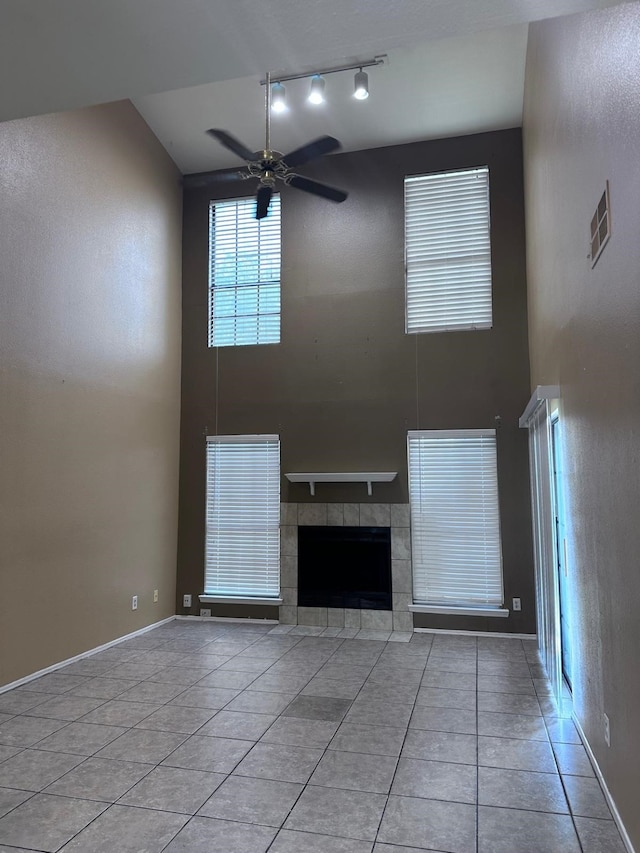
(393, 778)
(559, 774)
(564, 789)
(31, 713)
(304, 785)
(227, 775)
(86, 758)
(326, 749)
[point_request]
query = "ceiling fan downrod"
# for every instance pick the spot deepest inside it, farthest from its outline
(268, 165)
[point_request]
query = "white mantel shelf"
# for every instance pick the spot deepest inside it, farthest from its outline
(368, 477)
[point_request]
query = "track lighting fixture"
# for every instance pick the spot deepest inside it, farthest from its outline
(278, 98)
(316, 94)
(361, 85)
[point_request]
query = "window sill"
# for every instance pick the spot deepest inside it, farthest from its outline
(459, 611)
(227, 599)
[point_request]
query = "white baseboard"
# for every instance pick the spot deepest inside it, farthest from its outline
(475, 633)
(607, 794)
(227, 619)
(87, 654)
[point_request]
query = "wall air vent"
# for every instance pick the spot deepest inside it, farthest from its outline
(600, 226)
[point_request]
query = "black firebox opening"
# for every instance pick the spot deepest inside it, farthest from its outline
(344, 567)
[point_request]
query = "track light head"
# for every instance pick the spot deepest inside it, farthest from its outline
(316, 95)
(278, 98)
(361, 85)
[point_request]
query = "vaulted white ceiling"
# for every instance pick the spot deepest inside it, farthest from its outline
(62, 54)
(433, 89)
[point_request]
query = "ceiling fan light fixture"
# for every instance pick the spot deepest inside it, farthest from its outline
(361, 85)
(316, 94)
(278, 98)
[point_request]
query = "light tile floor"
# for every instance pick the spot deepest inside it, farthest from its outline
(238, 738)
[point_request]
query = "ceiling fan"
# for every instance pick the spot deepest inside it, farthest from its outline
(270, 166)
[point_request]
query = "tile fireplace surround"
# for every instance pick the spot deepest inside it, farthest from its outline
(395, 516)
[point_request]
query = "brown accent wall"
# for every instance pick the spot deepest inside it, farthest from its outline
(582, 127)
(90, 246)
(346, 382)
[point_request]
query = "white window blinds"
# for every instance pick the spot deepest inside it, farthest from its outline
(455, 524)
(244, 273)
(448, 251)
(242, 552)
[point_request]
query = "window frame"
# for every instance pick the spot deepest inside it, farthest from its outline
(444, 293)
(244, 328)
(494, 574)
(238, 524)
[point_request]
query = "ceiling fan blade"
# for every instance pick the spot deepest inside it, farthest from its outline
(206, 179)
(316, 188)
(263, 199)
(232, 144)
(311, 151)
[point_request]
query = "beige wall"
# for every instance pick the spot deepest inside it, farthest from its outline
(90, 244)
(582, 127)
(346, 383)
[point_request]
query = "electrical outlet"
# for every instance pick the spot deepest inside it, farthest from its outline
(516, 604)
(205, 611)
(607, 729)
(186, 601)
(134, 602)
(155, 595)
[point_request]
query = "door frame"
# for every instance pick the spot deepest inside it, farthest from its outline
(537, 420)
(560, 520)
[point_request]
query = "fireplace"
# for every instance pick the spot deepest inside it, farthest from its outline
(344, 567)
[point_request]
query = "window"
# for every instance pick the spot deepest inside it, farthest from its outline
(448, 251)
(244, 274)
(242, 552)
(455, 525)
